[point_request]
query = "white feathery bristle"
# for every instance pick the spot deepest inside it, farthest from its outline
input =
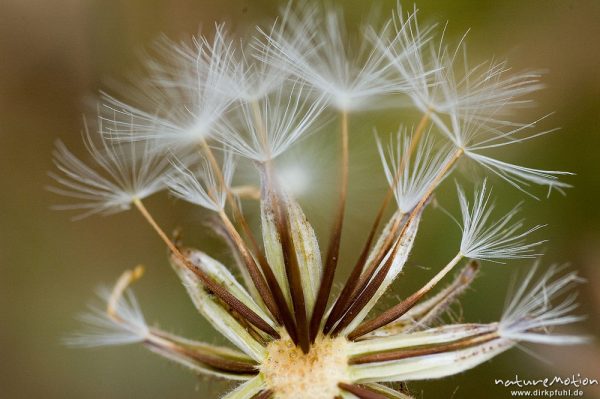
(121, 173)
(254, 78)
(263, 130)
(257, 74)
(203, 186)
(314, 45)
(521, 176)
(103, 330)
(436, 81)
(473, 134)
(468, 107)
(412, 176)
(530, 314)
(402, 42)
(188, 92)
(484, 238)
(487, 90)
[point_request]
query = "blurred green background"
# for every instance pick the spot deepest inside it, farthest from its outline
(56, 54)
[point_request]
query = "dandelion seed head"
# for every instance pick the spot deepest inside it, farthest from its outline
(189, 90)
(214, 101)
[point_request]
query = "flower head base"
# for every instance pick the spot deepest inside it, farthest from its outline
(292, 337)
(292, 373)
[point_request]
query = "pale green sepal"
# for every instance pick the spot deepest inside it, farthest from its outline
(273, 250)
(429, 366)
(305, 244)
(308, 253)
(219, 317)
(248, 389)
(166, 344)
(223, 276)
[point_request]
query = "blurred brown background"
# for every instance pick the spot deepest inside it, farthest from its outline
(56, 54)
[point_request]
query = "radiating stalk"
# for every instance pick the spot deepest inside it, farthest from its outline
(293, 273)
(373, 284)
(366, 275)
(397, 311)
(367, 293)
(237, 213)
(333, 250)
(153, 338)
(255, 274)
(353, 280)
(216, 362)
(266, 167)
(431, 350)
(218, 290)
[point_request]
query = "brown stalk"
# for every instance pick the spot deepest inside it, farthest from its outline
(285, 315)
(400, 309)
(407, 353)
(360, 392)
(266, 394)
(267, 168)
(216, 362)
(353, 280)
(269, 296)
(459, 152)
(333, 251)
(292, 269)
(255, 274)
(364, 278)
(438, 304)
(362, 300)
(288, 319)
(208, 282)
(367, 293)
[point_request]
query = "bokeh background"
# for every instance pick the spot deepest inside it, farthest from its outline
(54, 57)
